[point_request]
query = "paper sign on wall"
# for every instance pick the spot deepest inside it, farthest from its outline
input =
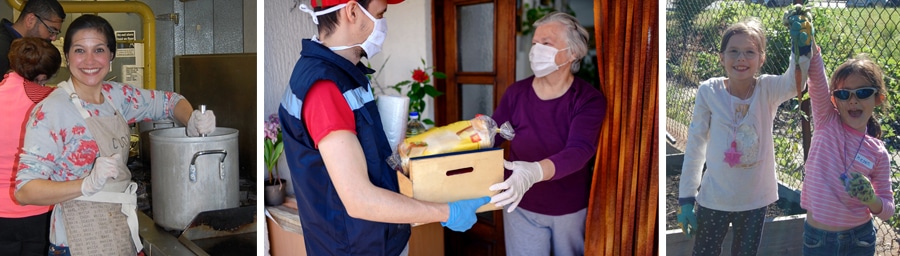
(133, 75)
(125, 49)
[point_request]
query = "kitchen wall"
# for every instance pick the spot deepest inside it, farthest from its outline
(203, 27)
(408, 40)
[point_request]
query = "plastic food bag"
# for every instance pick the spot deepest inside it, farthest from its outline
(465, 135)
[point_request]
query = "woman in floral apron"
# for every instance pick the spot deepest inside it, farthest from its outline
(77, 142)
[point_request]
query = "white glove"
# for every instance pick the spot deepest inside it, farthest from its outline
(201, 123)
(524, 175)
(105, 167)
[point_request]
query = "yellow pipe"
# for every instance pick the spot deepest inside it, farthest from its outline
(149, 26)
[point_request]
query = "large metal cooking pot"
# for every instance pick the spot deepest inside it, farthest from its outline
(145, 127)
(192, 174)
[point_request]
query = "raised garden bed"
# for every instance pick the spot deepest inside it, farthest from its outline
(782, 233)
(783, 230)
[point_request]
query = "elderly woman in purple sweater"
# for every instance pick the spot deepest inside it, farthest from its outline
(557, 119)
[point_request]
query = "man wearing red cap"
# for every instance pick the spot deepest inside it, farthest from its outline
(336, 147)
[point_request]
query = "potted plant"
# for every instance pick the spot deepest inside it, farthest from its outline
(274, 184)
(419, 87)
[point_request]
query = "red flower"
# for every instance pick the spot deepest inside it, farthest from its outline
(85, 154)
(420, 76)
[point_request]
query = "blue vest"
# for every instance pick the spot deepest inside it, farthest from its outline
(327, 228)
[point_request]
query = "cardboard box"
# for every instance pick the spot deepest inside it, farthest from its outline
(454, 176)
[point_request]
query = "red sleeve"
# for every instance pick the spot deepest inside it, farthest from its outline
(325, 110)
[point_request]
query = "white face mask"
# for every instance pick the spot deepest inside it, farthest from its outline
(373, 43)
(543, 59)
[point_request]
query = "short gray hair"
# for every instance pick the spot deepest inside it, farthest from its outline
(576, 36)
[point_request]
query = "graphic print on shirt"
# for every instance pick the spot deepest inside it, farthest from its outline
(746, 137)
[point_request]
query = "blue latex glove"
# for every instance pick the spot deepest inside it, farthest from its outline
(462, 213)
(687, 219)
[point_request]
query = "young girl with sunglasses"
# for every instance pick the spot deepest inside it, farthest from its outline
(848, 170)
(731, 131)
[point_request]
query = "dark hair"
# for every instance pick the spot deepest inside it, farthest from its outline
(33, 56)
(328, 22)
(870, 71)
(45, 9)
(90, 21)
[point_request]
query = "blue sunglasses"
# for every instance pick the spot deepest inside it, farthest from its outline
(861, 93)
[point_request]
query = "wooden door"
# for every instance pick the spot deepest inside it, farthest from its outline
(475, 46)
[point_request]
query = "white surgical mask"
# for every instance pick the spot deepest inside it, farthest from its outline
(543, 59)
(373, 43)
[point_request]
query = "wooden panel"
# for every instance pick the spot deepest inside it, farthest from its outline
(623, 210)
(486, 236)
(477, 79)
(678, 244)
(427, 239)
(447, 107)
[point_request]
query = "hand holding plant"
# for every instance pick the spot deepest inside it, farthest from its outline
(273, 147)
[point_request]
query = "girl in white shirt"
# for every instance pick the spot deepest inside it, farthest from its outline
(731, 131)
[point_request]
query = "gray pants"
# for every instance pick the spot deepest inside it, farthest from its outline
(529, 233)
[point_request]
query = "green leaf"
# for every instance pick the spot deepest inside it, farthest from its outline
(427, 121)
(431, 91)
(403, 83)
(439, 75)
(418, 94)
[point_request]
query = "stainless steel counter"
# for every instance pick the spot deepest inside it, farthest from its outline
(158, 242)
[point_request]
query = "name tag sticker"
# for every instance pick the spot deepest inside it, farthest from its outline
(864, 161)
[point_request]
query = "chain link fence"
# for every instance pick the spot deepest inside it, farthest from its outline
(843, 29)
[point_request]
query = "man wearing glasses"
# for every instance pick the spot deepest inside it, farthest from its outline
(24, 230)
(39, 18)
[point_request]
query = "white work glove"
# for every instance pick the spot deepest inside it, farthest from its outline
(524, 175)
(201, 123)
(105, 167)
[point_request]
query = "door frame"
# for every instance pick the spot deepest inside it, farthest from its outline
(448, 107)
(445, 56)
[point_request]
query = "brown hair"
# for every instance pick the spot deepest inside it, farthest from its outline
(32, 56)
(751, 27)
(870, 71)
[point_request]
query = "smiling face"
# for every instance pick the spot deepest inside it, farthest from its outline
(89, 57)
(741, 57)
(856, 112)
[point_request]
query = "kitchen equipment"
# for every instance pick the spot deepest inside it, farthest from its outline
(192, 174)
(229, 231)
(202, 111)
(144, 128)
(225, 84)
